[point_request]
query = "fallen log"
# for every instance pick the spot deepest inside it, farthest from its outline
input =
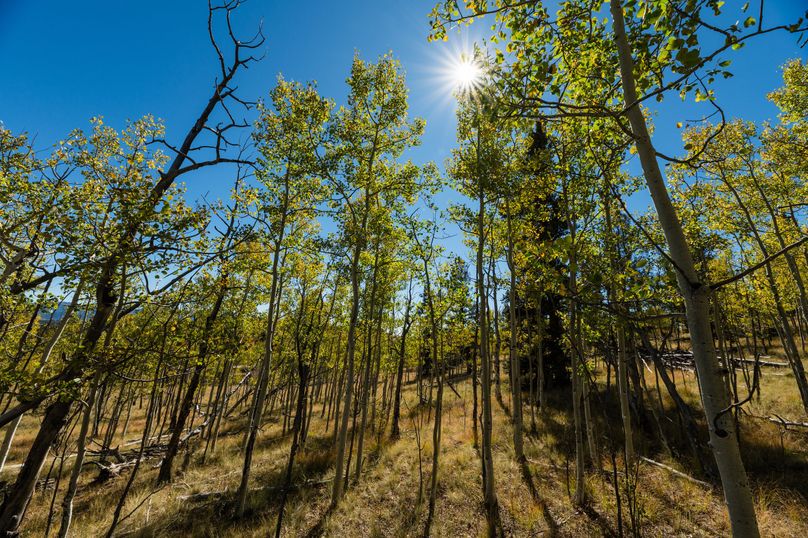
(108, 471)
(777, 419)
(773, 364)
(673, 471)
(448, 382)
(683, 360)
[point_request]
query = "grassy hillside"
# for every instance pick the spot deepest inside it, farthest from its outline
(385, 500)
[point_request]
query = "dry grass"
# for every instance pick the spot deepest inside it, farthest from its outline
(385, 501)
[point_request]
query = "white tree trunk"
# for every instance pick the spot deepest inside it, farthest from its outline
(723, 440)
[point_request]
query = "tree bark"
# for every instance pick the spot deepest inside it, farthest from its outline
(394, 429)
(516, 375)
(489, 489)
(342, 437)
(723, 440)
(72, 486)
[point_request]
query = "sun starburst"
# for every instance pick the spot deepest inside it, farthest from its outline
(467, 74)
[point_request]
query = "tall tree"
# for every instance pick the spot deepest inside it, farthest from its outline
(370, 135)
(544, 77)
(288, 134)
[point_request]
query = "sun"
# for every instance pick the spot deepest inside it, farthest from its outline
(467, 74)
(458, 71)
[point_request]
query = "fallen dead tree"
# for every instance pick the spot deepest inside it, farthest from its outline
(675, 472)
(683, 360)
(772, 364)
(108, 471)
(780, 421)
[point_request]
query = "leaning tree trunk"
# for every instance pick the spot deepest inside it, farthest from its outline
(303, 379)
(12, 428)
(56, 415)
(81, 449)
(696, 293)
(787, 336)
(789, 257)
(13, 509)
(188, 400)
(266, 363)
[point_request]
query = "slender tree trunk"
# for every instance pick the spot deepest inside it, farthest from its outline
(339, 481)
(622, 356)
(497, 334)
(8, 439)
(394, 430)
(72, 486)
(489, 488)
(147, 429)
(622, 387)
(368, 353)
(516, 375)
(259, 399)
(723, 441)
(165, 474)
(436, 431)
(578, 381)
(474, 378)
(303, 378)
(540, 380)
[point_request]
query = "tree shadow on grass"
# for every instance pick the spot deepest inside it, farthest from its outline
(774, 459)
(598, 519)
(212, 515)
(527, 477)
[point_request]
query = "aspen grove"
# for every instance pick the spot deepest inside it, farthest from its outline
(552, 328)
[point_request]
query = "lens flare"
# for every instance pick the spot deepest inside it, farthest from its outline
(457, 70)
(467, 74)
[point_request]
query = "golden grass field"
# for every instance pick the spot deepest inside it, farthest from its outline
(385, 500)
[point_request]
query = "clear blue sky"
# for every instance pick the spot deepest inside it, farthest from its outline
(64, 62)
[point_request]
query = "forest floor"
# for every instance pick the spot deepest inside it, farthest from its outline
(534, 500)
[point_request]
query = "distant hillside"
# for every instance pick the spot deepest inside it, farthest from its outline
(52, 316)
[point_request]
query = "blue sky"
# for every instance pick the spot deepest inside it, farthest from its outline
(64, 62)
